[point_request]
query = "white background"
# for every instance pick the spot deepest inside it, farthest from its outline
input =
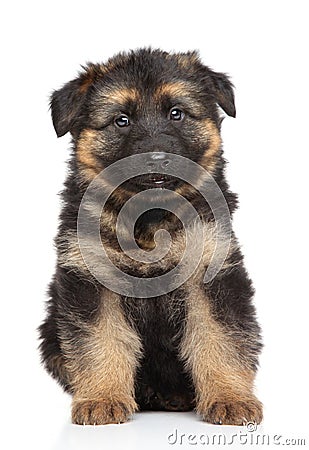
(263, 45)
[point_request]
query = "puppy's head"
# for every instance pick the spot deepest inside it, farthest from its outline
(146, 101)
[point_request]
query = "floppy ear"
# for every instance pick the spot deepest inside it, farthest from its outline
(66, 105)
(223, 92)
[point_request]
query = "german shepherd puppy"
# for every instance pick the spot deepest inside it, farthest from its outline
(196, 346)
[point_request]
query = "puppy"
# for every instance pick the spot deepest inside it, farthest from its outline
(194, 345)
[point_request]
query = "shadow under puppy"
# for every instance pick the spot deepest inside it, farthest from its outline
(196, 346)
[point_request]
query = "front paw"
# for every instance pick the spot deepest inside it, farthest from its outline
(238, 412)
(102, 411)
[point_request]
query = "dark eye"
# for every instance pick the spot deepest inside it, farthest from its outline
(176, 114)
(122, 121)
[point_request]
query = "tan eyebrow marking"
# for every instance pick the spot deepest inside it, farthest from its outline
(175, 89)
(122, 95)
(112, 100)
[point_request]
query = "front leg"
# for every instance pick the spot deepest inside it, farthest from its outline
(220, 348)
(102, 355)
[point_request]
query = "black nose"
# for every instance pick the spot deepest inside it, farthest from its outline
(158, 161)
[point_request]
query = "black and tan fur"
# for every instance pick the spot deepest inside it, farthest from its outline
(195, 347)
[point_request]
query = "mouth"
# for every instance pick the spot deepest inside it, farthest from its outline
(154, 180)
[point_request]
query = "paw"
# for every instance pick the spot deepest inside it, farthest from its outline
(102, 411)
(233, 412)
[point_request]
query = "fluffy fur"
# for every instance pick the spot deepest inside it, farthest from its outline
(195, 347)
